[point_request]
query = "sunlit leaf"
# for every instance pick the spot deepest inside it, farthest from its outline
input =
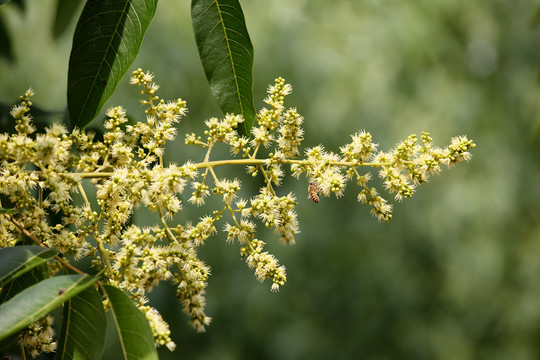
(227, 55)
(83, 327)
(15, 261)
(38, 300)
(133, 327)
(106, 41)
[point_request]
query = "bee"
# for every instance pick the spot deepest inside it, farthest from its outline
(313, 192)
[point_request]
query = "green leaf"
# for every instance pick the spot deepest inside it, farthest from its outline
(132, 325)
(106, 41)
(17, 260)
(2, 2)
(29, 278)
(83, 329)
(36, 301)
(65, 11)
(8, 211)
(227, 55)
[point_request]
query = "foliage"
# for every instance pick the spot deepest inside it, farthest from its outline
(127, 169)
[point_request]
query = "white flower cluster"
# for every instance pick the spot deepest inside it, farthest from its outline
(265, 264)
(405, 167)
(277, 212)
(37, 338)
(162, 334)
(40, 175)
(410, 164)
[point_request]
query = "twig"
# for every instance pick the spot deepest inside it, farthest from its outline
(35, 239)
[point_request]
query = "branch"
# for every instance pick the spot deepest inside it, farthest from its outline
(258, 162)
(35, 239)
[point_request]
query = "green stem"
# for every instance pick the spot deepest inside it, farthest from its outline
(231, 211)
(252, 156)
(257, 162)
(23, 353)
(104, 255)
(206, 157)
(105, 163)
(168, 232)
(268, 182)
(216, 180)
(83, 194)
(40, 197)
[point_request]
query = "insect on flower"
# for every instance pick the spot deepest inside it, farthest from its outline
(313, 192)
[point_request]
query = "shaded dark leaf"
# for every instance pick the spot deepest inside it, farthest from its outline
(15, 261)
(29, 278)
(106, 41)
(83, 327)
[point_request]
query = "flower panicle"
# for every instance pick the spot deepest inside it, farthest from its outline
(126, 169)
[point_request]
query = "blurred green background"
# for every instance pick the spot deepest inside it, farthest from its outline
(456, 273)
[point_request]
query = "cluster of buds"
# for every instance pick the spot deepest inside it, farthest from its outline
(51, 173)
(37, 338)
